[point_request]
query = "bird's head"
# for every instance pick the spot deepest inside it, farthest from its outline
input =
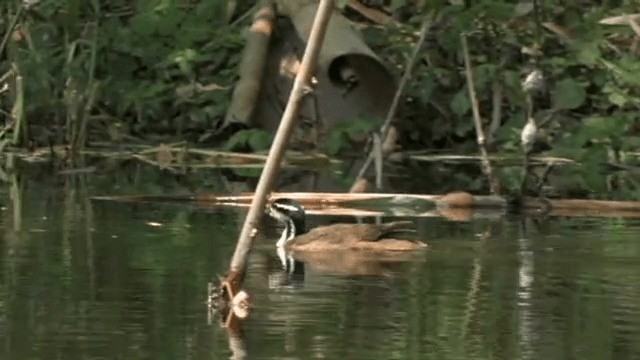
(291, 214)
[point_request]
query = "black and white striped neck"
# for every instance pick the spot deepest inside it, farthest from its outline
(292, 215)
(288, 233)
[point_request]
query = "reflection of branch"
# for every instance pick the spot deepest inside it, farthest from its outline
(235, 335)
(88, 226)
(472, 298)
(15, 194)
(474, 286)
(524, 293)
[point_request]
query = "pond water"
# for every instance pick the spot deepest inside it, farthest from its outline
(82, 279)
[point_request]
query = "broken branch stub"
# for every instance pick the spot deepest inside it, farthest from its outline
(245, 94)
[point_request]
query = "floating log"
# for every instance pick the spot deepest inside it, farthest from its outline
(460, 205)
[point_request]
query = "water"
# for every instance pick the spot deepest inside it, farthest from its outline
(103, 280)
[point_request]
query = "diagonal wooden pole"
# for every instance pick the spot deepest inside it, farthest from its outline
(232, 281)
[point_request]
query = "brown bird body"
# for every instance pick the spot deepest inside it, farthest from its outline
(337, 236)
(354, 236)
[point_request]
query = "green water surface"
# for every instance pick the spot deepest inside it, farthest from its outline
(83, 279)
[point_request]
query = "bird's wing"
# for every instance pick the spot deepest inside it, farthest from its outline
(330, 234)
(348, 235)
(371, 232)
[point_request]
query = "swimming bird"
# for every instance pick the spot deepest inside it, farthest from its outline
(296, 238)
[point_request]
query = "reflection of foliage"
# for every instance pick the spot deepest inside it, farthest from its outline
(102, 260)
(82, 267)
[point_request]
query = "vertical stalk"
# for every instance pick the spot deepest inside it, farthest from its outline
(475, 107)
(90, 93)
(17, 112)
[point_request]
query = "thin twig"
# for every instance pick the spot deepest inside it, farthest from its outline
(494, 185)
(6, 75)
(243, 17)
(543, 178)
(536, 17)
(17, 111)
(13, 24)
(90, 94)
(426, 24)
(502, 160)
(377, 150)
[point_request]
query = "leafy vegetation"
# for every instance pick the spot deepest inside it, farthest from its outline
(339, 138)
(156, 70)
(588, 105)
(118, 70)
(249, 138)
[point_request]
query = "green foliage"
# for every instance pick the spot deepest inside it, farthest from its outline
(340, 136)
(567, 94)
(165, 68)
(256, 139)
(145, 52)
(591, 71)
